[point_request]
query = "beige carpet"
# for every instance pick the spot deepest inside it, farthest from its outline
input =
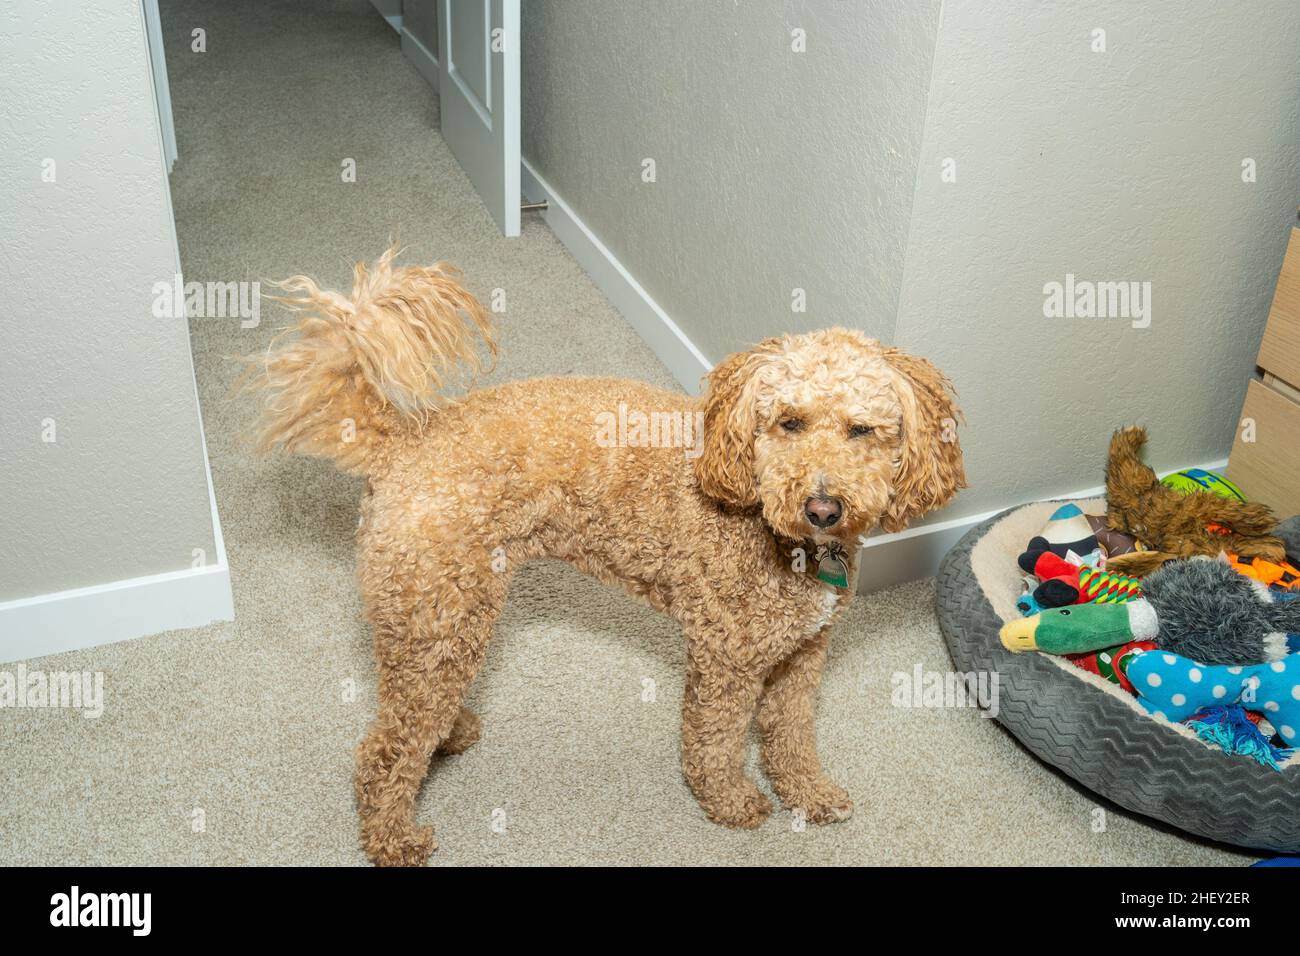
(250, 722)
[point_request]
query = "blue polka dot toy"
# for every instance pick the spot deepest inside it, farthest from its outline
(1175, 687)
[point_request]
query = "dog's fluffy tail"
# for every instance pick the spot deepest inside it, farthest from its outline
(355, 370)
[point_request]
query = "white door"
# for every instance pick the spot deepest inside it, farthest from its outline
(478, 90)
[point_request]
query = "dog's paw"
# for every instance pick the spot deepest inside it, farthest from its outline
(464, 733)
(409, 847)
(821, 803)
(744, 808)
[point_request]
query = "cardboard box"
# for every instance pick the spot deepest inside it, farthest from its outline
(1268, 469)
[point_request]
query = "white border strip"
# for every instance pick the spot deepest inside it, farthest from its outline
(118, 611)
(686, 362)
(391, 11)
(421, 57)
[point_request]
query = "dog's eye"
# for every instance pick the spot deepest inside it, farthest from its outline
(792, 424)
(860, 431)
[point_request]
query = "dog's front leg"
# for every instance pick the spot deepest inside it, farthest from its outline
(716, 712)
(786, 718)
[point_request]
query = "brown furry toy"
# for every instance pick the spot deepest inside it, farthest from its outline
(1174, 524)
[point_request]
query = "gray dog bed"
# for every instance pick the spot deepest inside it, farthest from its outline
(1092, 729)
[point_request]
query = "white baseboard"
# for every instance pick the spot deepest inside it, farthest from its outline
(421, 58)
(686, 362)
(916, 553)
(391, 11)
(118, 611)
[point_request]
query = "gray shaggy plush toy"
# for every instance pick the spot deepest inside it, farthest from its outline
(1208, 612)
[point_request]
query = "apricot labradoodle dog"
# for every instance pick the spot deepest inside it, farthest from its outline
(809, 441)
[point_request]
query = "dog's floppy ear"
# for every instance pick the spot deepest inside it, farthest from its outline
(929, 469)
(725, 468)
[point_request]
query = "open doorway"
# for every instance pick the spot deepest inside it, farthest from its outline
(469, 51)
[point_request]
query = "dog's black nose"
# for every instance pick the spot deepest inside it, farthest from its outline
(822, 512)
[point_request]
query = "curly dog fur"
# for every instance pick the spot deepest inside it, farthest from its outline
(1173, 524)
(462, 492)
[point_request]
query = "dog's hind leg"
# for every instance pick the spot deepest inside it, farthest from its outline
(425, 666)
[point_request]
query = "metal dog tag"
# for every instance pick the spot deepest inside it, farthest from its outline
(833, 571)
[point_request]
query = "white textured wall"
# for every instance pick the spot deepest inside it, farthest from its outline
(1117, 165)
(775, 169)
(123, 491)
(779, 170)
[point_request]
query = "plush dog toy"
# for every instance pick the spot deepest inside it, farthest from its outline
(1200, 608)
(1113, 543)
(1175, 524)
(1105, 664)
(1282, 575)
(1063, 583)
(1176, 687)
(1081, 628)
(1067, 532)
